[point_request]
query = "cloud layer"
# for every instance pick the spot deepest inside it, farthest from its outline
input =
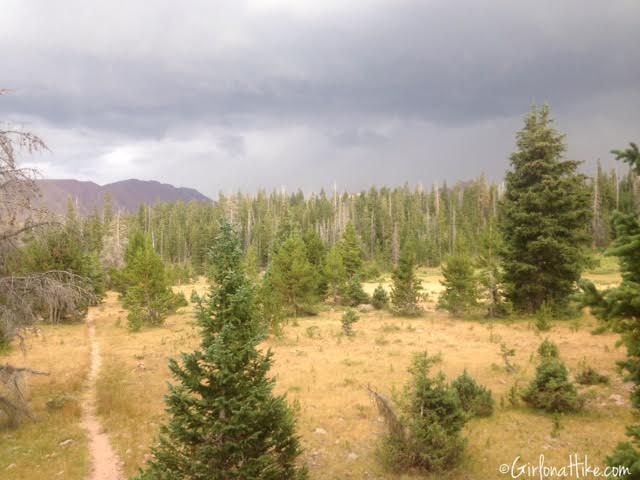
(239, 94)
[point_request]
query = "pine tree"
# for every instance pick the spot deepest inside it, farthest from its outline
(432, 420)
(293, 276)
(61, 250)
(405, 293)
(544, 219)
(351, 251)
(620, 308)
(490, 274)
(335, 273)
(379, 299)
(475, 399)
(353, 294)
(551, 390)
(148, 295)
(316, 254)
(349, 317)
(224, 422)
(460, 293)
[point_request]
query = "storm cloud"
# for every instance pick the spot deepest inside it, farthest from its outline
(227, 95)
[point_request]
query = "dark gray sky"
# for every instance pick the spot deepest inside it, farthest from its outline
(240, 94)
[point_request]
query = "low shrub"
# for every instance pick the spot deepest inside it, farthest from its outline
(551, 390)
(475, 399)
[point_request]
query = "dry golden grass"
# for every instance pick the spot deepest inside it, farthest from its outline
(33, 450)
(323, 374)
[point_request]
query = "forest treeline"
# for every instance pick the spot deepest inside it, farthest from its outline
(436, 221)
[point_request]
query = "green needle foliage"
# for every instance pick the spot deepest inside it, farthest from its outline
(354, 294)
(335, 273)
(379, 299)
(551, 389)
(148, 295)
(224, 421)
(351, 251)
(293, 276)
(460, 293)
(548, 349)
(475, 399)
(432, 420)
(405, 293)
(349, 317)
(620, 307)
(544, 219)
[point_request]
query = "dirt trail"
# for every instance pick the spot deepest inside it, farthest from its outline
(105, 463)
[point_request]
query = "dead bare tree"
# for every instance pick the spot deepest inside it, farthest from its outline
(24, 299)
(13, 400)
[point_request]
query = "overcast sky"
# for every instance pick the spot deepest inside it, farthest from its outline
(228, 95)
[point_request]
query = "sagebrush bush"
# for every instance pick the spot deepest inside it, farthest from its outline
(432, 419)
(475, 399)
(551, 390)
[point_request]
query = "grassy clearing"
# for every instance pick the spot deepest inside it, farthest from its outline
(324, 374)
(34, 449)
(606, 273)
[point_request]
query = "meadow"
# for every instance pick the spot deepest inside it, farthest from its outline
(324, 376)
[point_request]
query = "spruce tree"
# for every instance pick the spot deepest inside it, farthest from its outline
(224, 422)
(619, 307)
(490, 273)
(351, 251)
(353, 293)
(405, 292)
(460, 293)
(148, 295)
(61, 249)
(316, 254)
(544, 218)
(475, 399)
(379, 299)
(293, 276)
(335, 273)
(432, 420)
(551, 389)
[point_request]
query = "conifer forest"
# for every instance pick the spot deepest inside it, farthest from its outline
(406, 266)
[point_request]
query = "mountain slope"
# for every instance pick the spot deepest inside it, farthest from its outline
(126, 195)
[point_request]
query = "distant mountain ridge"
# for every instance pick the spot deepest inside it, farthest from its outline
(126, 195)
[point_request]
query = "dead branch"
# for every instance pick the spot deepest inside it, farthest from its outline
(387, 412)
(14, 402)
(7, 369)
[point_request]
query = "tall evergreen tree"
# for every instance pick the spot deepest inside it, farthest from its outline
(293, 276)
(490, 273)
(460, 293)
(316, 254)
(405, 293)
(335, 273)
(224, 420)
(620, 308)
(431, 421)
(351, 251)
(544, 219)
(147, 293)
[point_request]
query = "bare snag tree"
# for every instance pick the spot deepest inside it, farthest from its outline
(24, 298)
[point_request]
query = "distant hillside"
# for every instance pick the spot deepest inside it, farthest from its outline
(126, 195)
